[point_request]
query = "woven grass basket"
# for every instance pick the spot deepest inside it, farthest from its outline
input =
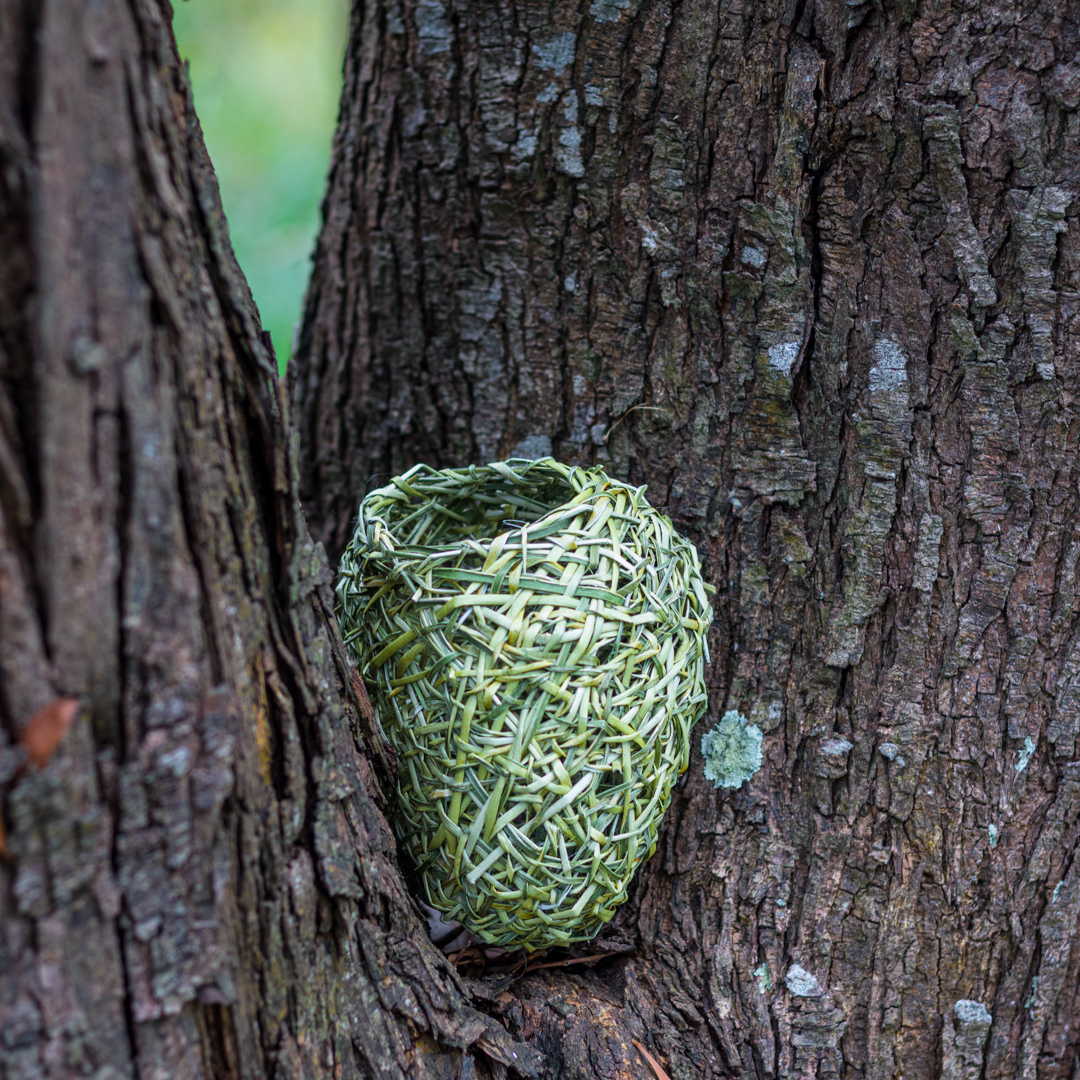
(533, 636)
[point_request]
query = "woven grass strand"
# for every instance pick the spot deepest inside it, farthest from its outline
(534, 637)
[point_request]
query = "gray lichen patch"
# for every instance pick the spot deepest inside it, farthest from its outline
(732, 751)
(556, 54)
(782, 357)
(801, 983)
(752, 256)
(830, 759)
(890, 368)
(963, 1040)
(972, 1012)
(836, 747)
(891, 752)
(1024, 755)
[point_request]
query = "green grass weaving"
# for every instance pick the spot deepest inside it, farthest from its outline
(533, 636)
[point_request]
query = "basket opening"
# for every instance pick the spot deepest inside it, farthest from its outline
(440, 513)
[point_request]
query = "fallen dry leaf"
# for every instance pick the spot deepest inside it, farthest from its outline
(656, 1067)
(46, 728)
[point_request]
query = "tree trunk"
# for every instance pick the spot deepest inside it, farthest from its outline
(812, 272)
(198, 881)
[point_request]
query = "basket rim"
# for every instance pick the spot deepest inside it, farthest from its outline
(571, 474)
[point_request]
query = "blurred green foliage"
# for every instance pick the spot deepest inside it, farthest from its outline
(267, 79)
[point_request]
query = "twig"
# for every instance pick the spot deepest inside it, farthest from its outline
(636, 408)
(574, 960)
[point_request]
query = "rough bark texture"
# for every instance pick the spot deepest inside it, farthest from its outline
(810, 270)
(199, 882)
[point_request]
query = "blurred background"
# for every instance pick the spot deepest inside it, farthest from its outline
(267, 78)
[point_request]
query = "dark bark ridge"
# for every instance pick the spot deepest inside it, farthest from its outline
(200, 881)
(811, 272)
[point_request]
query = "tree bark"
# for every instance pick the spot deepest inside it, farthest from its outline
(811, 272)
(198, 881)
